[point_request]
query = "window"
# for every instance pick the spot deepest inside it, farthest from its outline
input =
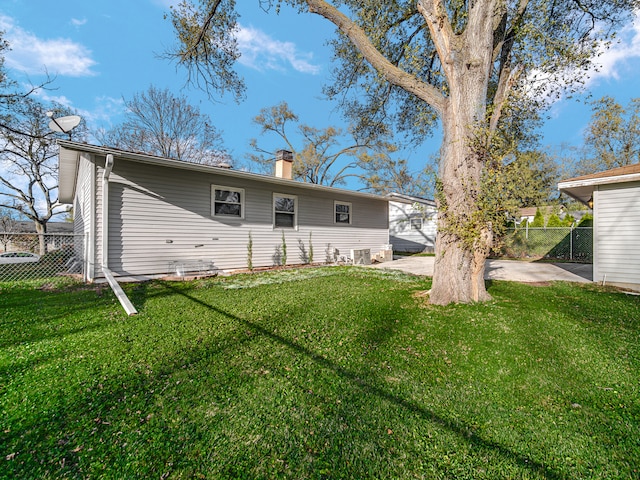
(343, 212)
(284, 211)
(416, 224)
(227, 202)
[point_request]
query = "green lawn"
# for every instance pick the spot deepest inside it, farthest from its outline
(318, 373)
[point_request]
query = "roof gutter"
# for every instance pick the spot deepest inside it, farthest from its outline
(113, 283)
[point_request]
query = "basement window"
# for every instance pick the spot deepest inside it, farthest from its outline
(284, 211)
(342, 212)
(227, 201)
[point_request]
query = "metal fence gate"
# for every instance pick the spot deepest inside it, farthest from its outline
(557, 243)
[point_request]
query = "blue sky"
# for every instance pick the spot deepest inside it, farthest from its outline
(100, 51)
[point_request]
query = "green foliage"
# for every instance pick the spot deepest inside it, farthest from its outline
(310, 249)
(538, 220)
(612, 138)
(554, 221)
(250, 252)
(318, 372)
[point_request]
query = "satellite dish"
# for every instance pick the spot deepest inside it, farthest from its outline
(63, 124)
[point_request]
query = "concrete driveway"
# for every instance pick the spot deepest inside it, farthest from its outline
(517, 271)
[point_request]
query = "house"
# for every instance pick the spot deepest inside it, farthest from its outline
(528, 214)
(144, 216)
(53, 228)
(21, 235)
(412, 223)
(614, 196)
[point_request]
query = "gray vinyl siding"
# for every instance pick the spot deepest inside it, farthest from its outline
(617, 233)
(160, 215)
(405, 239)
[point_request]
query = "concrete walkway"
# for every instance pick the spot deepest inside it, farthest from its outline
(517, 271)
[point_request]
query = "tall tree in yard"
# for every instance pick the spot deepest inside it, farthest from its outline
(411, 63)
(612, 138)
(322, 159)
(160, 123)
(28, 155)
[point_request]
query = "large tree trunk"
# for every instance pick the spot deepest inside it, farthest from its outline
(461, 244)
(463, 239)
(41, 230)
(466, 58)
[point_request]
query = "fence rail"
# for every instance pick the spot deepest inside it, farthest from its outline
(560, 243)
(31, 256)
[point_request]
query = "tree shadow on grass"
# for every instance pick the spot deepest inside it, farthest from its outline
(26, 321)
(100, 409)
(462, 431)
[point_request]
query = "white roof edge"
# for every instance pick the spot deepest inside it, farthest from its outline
(599, 181)
(167, 162)
(410, 198)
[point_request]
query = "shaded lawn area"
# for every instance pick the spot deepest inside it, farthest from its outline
(318, 373)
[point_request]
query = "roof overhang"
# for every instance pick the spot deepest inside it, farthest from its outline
(401, 197)
(582, 189)
(70, 152)
(68, 161)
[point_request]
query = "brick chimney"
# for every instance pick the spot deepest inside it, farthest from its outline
(284, 164)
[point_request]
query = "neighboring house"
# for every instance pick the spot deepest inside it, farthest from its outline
(412, 223)
(164, 216)
(529, 213)
(58, 234)
(614, 196)
(52, 227)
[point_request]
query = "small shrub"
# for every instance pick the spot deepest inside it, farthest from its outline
(284, 250)
(554, 221)
(538, 220)
(250, 252)
(568, 220)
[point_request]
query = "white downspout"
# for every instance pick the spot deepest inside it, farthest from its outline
(117, 289)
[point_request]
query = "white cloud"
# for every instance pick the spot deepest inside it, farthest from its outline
(106, 109)
(45, 97)
(78, 22)
(34, 55)
(618, 56)
(261, 52)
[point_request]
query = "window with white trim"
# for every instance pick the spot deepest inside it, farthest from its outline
(227, 201)
(416, 224)
(284, 211)
(342, 212)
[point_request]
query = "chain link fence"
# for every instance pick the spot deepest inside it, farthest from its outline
(32, 256)
(558, 243)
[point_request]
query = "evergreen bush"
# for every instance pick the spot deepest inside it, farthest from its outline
(554, 221)
(538, 220)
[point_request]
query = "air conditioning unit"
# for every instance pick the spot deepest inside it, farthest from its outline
(361, 257)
